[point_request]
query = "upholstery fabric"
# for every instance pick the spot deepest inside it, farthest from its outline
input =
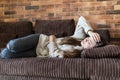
(60, 28)
(10, 30)
(104, 34)
(4, 38)
(108, 51)
(72, 68)
(5, 77)
(104, 78)
(21, 28)
(44, 67)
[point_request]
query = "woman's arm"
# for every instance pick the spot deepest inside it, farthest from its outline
(82, 28)
(53, 49)
(83, 23)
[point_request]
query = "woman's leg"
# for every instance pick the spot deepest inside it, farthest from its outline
(7, 54)
(23, 43)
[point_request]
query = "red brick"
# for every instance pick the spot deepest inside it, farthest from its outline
(118, 2)
(117, 17)
(117, 7)
(61, 14)
(104, 7)
(70, 1)
(113, 21)
(80, 13)
(80, 4)
(86, 0)
(97, 12)
(70, 9)
(87, 8)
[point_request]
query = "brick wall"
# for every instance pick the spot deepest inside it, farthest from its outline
(102, 14)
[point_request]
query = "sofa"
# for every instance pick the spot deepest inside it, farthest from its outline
(93, 64)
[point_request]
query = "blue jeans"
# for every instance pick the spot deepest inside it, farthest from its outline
(7, 54)
(21, 47)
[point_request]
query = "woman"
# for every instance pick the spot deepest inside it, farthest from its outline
(71, 46)
(46, 45)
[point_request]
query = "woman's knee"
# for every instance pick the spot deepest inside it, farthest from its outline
(23, 43)
(7, 54)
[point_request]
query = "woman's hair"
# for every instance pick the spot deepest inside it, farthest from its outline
(70, 41)
(72, 54)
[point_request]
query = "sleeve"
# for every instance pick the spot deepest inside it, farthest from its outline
(82, 22)
(82, 28)
(52, 47)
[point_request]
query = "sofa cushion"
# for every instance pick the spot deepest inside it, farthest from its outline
(21, 28)
(104, 78)
(4, 38)
(60, 28)
(108, 51)
(104, 34)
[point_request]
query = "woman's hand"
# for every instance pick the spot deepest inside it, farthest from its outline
(95, 36)
(52, 38)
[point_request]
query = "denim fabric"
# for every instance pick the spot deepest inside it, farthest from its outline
(7, 54)
(23, 43)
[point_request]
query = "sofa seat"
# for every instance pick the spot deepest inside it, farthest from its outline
(58, 69)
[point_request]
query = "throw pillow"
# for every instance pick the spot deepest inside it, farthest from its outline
(20, 28)
(5, 37)
(108, 51)
(104, 34)
(104, 78)
(60, 28)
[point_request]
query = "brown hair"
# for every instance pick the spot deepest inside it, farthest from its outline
(72, 54)
(70, 41)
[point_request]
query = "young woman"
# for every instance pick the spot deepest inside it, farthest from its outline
(71, 46)
(50, 46)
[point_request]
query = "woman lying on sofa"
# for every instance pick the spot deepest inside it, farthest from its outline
(50, 46)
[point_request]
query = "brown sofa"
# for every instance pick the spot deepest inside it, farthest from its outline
(94, 64)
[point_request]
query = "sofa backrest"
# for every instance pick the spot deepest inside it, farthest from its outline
(60, 28)
(10, 30)
(20, 29)
(105, 34)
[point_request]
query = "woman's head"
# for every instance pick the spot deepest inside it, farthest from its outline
(90, 43)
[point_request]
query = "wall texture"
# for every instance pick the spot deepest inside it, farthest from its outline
(102, 14)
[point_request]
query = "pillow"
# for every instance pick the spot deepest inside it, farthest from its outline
(104, 34)
(104, 77)
(20, 28)
(60, 28)
(4, 38)
(108, 51)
